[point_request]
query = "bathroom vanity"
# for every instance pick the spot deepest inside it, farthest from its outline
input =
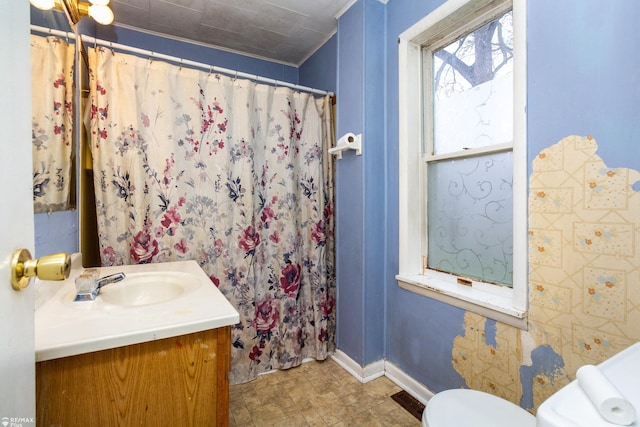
(153, 351)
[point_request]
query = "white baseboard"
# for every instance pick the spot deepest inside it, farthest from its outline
(364, 375)
(382, 367)
(408, 384)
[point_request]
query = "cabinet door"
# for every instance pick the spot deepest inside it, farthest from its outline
(174, 381)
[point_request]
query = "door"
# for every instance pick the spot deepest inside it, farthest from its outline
(17, 356)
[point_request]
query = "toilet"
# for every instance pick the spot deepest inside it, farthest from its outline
(464, 407)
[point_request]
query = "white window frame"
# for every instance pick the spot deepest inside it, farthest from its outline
(508, 305)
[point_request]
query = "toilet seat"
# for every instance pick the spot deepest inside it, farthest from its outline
(464, 407)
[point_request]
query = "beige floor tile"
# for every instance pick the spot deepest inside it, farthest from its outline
(316, 394)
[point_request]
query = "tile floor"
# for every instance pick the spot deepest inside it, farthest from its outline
(316, 394)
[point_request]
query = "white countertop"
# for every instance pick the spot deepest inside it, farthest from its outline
(66, 328)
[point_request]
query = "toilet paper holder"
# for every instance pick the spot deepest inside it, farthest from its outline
(348, 141)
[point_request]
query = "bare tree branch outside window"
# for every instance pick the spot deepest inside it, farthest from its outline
(474, 59)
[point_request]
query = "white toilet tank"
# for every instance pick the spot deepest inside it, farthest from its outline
(571, 406)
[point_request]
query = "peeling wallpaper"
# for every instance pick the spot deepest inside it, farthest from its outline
(584, 280)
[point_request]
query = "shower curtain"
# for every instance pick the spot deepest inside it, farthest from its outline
(52, 122)
(232, 174)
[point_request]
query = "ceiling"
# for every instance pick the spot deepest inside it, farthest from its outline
(286, 31)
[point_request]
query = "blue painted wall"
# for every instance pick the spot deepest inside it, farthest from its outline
(583, 62)
(350, 187)
(360, 235)
(198, 52)
(320, 70)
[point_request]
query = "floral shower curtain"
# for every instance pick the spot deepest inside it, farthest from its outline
(232, 174)
(52, 126)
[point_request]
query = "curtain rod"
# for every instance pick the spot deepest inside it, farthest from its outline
(210, 68)
(181, 61)
(53, 32)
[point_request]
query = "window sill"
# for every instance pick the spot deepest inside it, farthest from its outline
(491, 301)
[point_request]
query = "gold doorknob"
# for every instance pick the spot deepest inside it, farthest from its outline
(48, 267)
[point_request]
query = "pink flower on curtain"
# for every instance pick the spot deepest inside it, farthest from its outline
(255, 354)
(143, 248)
(249, 240)
(327, 305)
(290, 280)
(267, 215)
(110, 254)
(59, 81)
(267, 316)
(171, 216)
(181, 246)
(215, 281)
(318, 233)
(218, 248)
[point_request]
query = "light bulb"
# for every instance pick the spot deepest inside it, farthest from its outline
(99, 2)
(43, 4)
(102, 14)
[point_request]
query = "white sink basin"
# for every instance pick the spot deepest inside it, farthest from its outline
(148, 288)
(154, 301)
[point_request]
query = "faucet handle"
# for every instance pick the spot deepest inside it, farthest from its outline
(49, 267)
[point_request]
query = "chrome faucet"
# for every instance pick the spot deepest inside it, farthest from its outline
(90, 292)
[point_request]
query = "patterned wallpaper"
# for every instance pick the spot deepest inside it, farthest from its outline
(584, 280)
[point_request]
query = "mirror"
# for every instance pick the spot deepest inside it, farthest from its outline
(54, 143)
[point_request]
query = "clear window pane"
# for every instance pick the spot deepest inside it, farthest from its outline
(473, 89)
(470, 211)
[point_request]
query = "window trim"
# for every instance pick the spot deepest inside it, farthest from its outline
(508, 305)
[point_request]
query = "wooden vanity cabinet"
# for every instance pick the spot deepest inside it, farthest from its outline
(179, 381)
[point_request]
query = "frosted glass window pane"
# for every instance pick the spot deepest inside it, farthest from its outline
(470, 211)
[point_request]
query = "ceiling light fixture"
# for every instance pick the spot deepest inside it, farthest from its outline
(99, 10)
